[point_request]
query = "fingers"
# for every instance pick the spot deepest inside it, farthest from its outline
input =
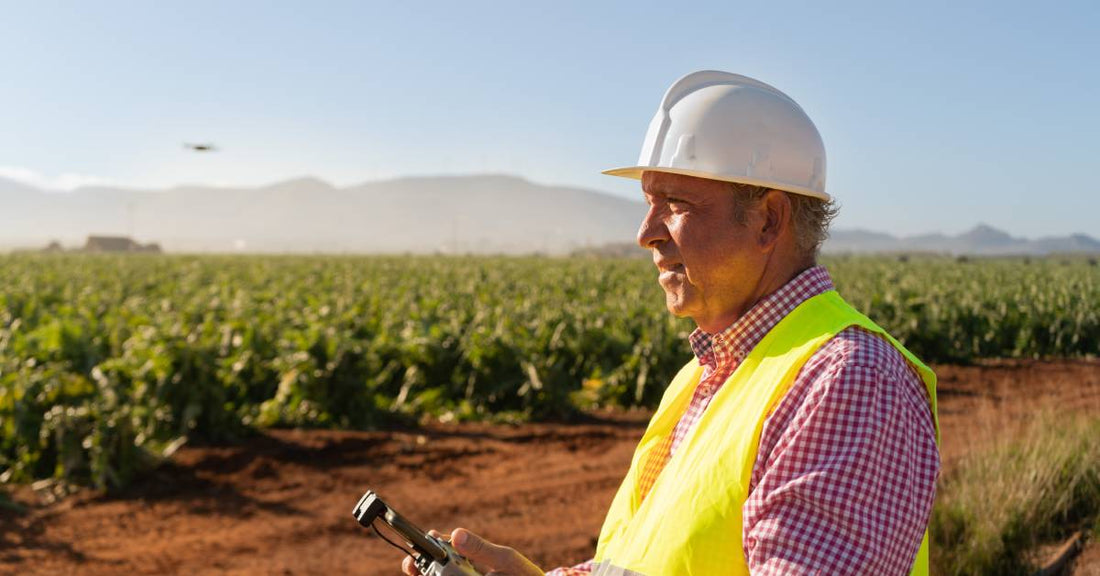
(479, 550)
(408, 565)
(491, 557)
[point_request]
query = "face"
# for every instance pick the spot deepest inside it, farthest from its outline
(708, 265)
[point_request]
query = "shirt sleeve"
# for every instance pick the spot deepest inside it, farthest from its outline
(580, 569)
(847, 483)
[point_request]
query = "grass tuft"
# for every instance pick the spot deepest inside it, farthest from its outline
(997, 505)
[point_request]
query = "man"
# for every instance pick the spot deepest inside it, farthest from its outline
(802, 438)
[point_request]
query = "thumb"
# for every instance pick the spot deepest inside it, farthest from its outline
(483, 553)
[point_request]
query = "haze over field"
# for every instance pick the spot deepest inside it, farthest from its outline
(439, 214)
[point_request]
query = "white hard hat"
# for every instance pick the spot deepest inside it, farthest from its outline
(730, 127)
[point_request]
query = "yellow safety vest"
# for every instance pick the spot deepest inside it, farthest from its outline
(690, 522)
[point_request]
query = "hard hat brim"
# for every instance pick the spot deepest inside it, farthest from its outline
(635, 173)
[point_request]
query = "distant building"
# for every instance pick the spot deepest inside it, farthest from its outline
(118, 244)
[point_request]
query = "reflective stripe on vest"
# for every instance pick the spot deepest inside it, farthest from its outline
(690, 523)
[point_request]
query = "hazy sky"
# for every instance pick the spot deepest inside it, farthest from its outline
(935, 115)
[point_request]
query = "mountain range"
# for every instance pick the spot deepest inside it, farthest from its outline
(448, 214)
(433, 214)
(982, 240)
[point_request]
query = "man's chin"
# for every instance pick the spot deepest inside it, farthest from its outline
(676, 305)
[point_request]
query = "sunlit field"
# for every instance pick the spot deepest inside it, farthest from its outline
(102, 357)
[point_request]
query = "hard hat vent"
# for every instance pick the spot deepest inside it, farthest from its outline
(685, 152)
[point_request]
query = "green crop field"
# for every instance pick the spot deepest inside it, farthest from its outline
(107, 361)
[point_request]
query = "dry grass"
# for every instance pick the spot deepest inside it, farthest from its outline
(996, 505)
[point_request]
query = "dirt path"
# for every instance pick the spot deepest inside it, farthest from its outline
(280, 503)
(1088, 563)
(978, 404)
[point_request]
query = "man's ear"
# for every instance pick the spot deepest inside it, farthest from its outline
(775, 211)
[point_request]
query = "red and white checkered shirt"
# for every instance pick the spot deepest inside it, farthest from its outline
(846, 469)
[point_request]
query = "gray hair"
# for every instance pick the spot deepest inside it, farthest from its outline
(810, 217)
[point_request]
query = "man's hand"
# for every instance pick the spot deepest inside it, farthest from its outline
(487, 558)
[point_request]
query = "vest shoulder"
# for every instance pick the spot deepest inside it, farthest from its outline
(857, 347)
(856, 361)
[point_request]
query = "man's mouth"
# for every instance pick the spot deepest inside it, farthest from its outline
(668, 271)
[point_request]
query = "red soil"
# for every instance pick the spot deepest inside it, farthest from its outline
(281, 503)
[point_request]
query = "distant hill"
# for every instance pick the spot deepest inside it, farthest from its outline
(463, 214)
(982, 240)
(480, 214)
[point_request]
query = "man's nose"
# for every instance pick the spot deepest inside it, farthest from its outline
(653, 231)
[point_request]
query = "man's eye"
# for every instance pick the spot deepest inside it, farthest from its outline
(676, 201)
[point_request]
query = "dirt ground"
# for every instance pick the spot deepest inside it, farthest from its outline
(281, 503)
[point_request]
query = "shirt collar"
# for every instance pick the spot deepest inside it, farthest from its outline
(730, 346)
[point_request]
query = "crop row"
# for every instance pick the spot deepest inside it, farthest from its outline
(106, 362)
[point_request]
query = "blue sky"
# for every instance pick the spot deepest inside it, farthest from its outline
(935, 115)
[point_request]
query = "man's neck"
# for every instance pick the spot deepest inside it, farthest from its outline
(769, 283)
